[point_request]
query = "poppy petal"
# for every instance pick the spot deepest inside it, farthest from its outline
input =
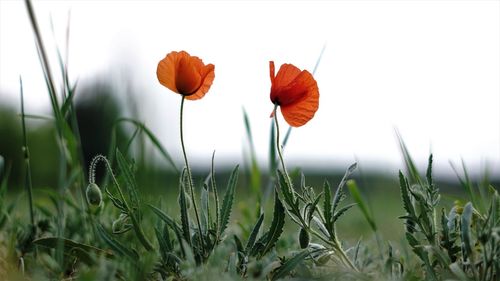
(286, 74)
(208, 76)
(271, 71)
(299, 113)
(188, 78)
(297, 89)
(166, 71)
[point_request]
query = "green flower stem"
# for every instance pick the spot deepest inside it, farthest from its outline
(190, 179)
(335, 244)
(278, 146)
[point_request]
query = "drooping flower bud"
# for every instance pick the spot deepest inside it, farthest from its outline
(93, 194)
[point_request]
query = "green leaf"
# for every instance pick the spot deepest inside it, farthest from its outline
(253, 235)
(327, 204)
(289, 265)
(356, 195)
(163, 242)
(407, 205)
(227, 203)
(341, 211)
(172, 224)
(286, 190)
(255, 179)
(239, 246)
(166, 218)
(428, 174)
(339, 194)
(115, 245)
(276, 226)
(465, 225)
(205, 209)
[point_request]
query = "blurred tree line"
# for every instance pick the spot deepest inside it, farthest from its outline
(97, 109)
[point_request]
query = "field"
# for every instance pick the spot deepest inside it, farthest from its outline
(77, 214)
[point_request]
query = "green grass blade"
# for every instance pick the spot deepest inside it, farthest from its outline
(26, 154)
(363, 206)
(466, 184)
(319, 59)
(227, 203)
(410, 164)
(154, 140)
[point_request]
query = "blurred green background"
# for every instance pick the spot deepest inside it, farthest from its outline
(98, 110)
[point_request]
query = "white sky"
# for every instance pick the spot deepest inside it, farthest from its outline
(429, 68)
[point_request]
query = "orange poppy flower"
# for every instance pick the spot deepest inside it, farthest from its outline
(185, 74)
(296, 92)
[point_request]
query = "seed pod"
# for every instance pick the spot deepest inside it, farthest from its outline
(304, 238)
(94, 194)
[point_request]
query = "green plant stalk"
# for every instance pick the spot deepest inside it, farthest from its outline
(59, 124)
(140, 234)
(29, 185)
(190, 179)
(335, 244)
(278, 146)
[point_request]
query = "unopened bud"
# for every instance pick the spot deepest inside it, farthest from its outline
(304, 238)
(94, 194)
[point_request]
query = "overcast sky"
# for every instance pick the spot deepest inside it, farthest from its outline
(429, 68)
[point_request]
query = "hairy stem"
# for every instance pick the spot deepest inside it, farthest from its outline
(190, 179)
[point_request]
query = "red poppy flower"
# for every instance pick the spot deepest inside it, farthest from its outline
(296, 92)
(185, 74)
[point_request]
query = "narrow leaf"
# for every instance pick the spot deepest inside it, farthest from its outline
(227, 203)
(115, 245)
(276, 226)
(289, 265)
(253, 235)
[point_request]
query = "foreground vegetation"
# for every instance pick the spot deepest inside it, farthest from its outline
(88, 228)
